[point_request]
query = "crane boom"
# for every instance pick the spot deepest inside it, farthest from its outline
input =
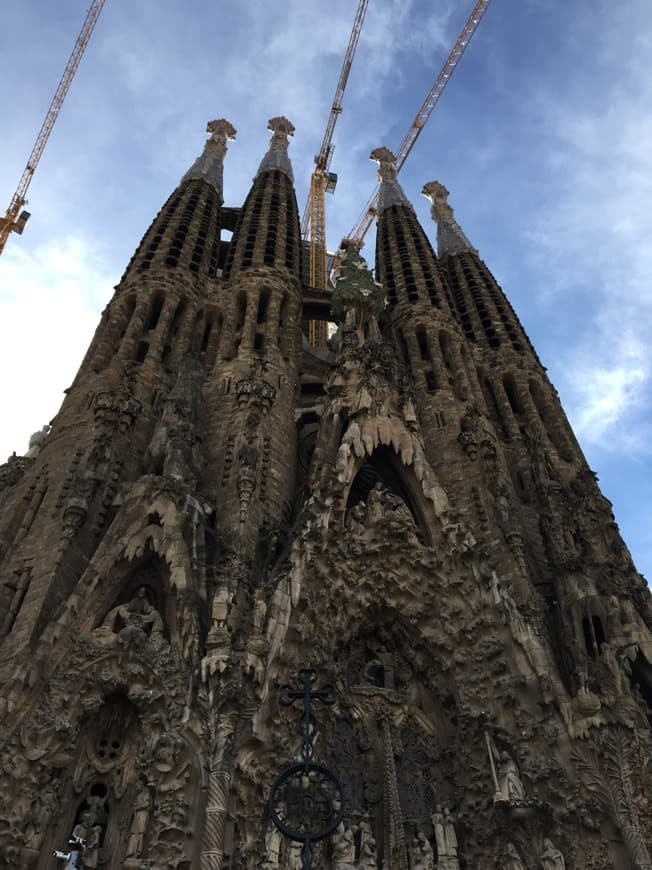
(313, 224)
(367, 217)
(12, 221)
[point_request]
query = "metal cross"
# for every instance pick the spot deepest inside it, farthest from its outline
(306, 801)
(307, 724)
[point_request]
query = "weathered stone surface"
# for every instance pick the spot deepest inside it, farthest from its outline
(216, 505)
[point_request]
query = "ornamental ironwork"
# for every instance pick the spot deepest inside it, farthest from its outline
(306, 801)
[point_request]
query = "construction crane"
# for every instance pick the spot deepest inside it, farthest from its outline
(365, 220)
(322, 181)
(16, 216)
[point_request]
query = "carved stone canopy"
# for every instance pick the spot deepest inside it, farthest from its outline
(277, 153)
(209, 166)
(391, 192)
(450, 236)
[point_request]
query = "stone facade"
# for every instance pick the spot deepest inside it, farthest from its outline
(217, 504)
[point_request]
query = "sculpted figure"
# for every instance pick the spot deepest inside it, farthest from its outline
(446, 839)
(344, 849)
(512, 860)
(142, 805)
(368, 854)
(551, 858)
(272, 847)
(509, 779)
(42, 812)
(422, 856)
(137, 622)
(294, 856)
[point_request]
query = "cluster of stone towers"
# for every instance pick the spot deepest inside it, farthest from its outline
(218, 504)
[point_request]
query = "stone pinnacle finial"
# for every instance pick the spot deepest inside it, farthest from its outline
(277, 153)
(450, 236)
(209, 166)
(391, 192)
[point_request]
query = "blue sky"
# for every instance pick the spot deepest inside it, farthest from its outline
(543, 138)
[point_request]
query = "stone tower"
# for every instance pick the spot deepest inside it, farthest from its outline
(217, 505)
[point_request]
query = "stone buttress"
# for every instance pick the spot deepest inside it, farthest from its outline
(406, 509)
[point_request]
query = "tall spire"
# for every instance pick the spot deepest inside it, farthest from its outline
(391, 192)
(209, 166)
(277, 153)
(450, 236)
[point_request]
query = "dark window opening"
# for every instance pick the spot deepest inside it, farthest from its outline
(445, 347)
(155, 313)
(598, 631)
(422, 340)
(206, 336)
(141, 351)
(511, 391)
(263, 303)
(259, 341)
(431, 381)
(588, 637)
(241, 312)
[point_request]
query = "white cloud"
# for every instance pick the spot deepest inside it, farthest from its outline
(49, 306)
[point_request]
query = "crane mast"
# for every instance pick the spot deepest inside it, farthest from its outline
(365, 220)
(15, 219)
(313, 223)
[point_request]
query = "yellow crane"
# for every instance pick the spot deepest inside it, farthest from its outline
(322, 181)
(365, 220)
(16, 216)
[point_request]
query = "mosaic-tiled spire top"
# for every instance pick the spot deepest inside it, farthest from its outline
(450, 236)
(356, 288)
(391, 192)
(277, 153)
(209, 166)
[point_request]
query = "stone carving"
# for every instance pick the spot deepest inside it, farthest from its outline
(510, 784)
(421, 854)
(609, 777)
(507, 778)
(248, 461)
(511, 859)
(294, 861)
(551, 858)
(136, 623)
(368, 853)
(141, 810)
(36, 442)
(445, 839)
(343, 849)
(41, 814)
(89, 829)
(272, 847)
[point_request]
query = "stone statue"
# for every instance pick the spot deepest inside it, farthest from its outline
(137, 623)
(551, 858)
(42, 811)
(36, 442)
(510, 784)
(90, 832)
(421, 854)
(343, 849)
(272, 847)
(294, 857)
(141, 809)
(445, 839)
(368, 854)
(512, 860)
